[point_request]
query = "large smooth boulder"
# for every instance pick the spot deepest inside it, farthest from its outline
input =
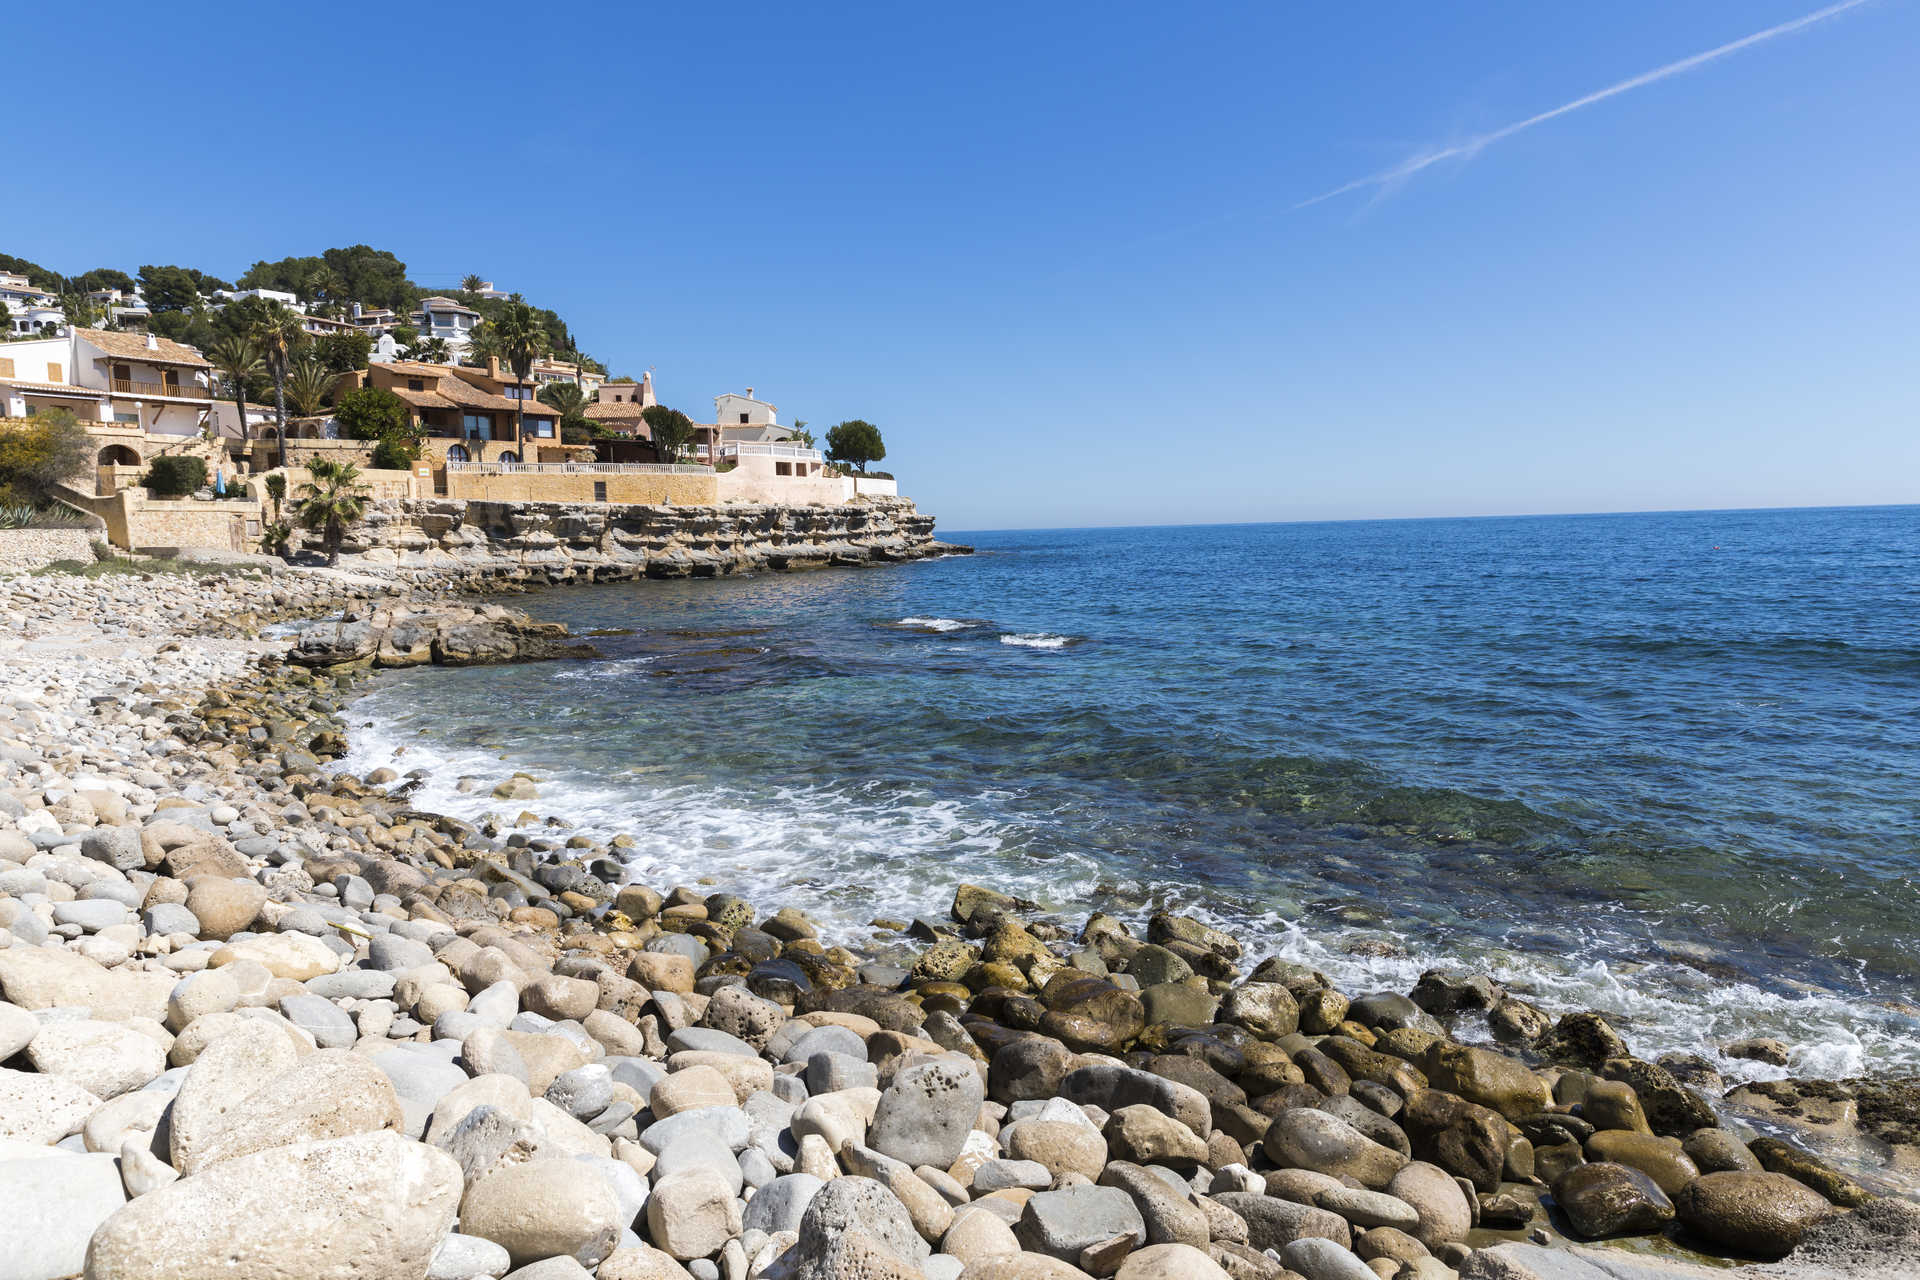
(1062, 1223)
(1606, 1199)
(1488, 1078)
(1058, 1146)
(1170, 1262)
(329, 1094)
(1306, 1138)
(1437, 1199)
(691, 1214)
(106, 1059)
(53, 1205)
(1111, 1086)
(925, 1114)
(41, 1109)
(45, 978)
(227, 1072)
(544, 1209)
(1758, 1213)
(1273, 1222)
(370, 1207)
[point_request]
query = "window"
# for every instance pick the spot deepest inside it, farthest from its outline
(457, 453)
(542, 427)
(743, 417)
(479, 426)
(126, 417)
(599, 490)
(509, 457)
(416, 384)
(122, 373)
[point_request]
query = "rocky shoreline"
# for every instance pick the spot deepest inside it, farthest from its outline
(485, 544)
(262, 1018)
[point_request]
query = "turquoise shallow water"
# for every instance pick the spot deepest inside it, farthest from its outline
(1663, 765)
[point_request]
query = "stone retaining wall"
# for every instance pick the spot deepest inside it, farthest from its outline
(25, 549)
(559, 542)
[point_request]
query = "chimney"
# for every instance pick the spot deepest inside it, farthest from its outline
(153, 343)
(749, 393)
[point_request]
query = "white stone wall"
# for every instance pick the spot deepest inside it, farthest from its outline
(24, 549)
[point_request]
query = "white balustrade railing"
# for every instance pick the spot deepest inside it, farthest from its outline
(575, 468)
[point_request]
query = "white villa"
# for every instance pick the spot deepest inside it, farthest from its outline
(440, 317)
(29, 308)
(135, 392)
(281, 296)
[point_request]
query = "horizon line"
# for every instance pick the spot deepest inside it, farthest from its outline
(1492, 515)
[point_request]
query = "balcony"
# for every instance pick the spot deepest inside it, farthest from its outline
(179, 390)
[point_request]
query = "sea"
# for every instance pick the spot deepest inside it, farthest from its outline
(1665, 766)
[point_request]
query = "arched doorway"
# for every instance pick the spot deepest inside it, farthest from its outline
(456, 453)
(271, 454)
(509, 457)
(116, 468)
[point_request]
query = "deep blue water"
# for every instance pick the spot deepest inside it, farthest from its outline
(1663, 764)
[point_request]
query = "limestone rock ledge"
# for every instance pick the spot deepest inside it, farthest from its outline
(561, 542)
(444, 635)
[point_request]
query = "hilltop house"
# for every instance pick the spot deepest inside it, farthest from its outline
(121, 306)
(30, 309)
(733, 410)
(444, 318)
(617, 406)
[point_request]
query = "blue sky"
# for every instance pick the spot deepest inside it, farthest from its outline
(1052, 250)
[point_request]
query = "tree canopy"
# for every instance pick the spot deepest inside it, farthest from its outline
(857, 442)
(672, 431)
(176, 288)
(39, 276)
(372, 413)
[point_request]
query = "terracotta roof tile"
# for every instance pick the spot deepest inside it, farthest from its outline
(133, 346)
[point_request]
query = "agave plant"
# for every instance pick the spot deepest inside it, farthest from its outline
(17, 516)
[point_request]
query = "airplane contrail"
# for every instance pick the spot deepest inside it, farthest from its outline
(1474, 145)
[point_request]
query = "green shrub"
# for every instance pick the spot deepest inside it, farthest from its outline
(175, 475)
(395, 453)
(372, 413)
(39, 455)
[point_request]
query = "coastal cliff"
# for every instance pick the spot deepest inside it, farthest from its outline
(561, 542)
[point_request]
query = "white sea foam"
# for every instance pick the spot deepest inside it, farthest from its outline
(1035, 640)
(936, 624)
(850, 853)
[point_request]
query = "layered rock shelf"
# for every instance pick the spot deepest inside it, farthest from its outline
(447, 635)
(589, 542)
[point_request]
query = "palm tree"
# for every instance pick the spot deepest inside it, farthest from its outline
(473, 284)
(237, 357)
(310, 385)
(333, 499)
(522, 341)
(78, 308)
(279, 334)
(571, 402)
(429, 351)
(483, 344)
(325, 284)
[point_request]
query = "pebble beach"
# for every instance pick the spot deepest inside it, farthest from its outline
(262, 1017)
